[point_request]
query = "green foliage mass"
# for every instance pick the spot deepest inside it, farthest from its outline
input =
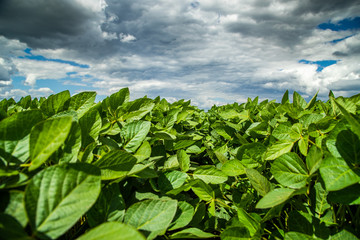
(71, 168)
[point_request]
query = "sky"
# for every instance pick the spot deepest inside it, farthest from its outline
(212, 52)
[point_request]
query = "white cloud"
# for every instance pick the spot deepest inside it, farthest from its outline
(210, 51)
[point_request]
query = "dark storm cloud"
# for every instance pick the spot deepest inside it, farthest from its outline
(43, 23)
(346, 85)
(324, 6)
(288, 28)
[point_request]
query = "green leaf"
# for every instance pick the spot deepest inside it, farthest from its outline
(58, 196)
(11, 229)
(210, 174)
(183, 216)
(275, 197)
(285, 97)
(14, 134)
(144, 152)
(184, 160)
(117, 99)
(110, 206)
(235, 233)
(297, 236)
(355, 125)
(278, 149)
(233, 167)
(183, 144)
(314, 159)
(321, 203)
(134, 133)
(46, 137)
(115, 164)
(203, 190)
(290, 171)
(258, 181)
(151, 215)
(192, 233)
(72, 144)
(252, 154)
(16, 207)
(282, 132)
(348, 145)
(312, 101)
(112, 230)
(82, 102)
(348, 196)
(55, 103)
(171, 180)
(90, 124)
(337, 174)
(298, 101)
(343, 235)
(248, 221)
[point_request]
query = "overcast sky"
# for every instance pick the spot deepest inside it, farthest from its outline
(209, 51)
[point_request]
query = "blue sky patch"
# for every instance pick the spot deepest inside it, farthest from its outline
(343, 25)
(321, 64)
(42, 58)
(340, 39)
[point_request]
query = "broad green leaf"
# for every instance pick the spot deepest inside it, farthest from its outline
(134, 133)
(110, 206)
(321, 203)
(144, 152)
(233, 167)
(115, 164)
(10, 228)
(355, 125)
(82, 102)
(112, 230)
(192, 233)
(343, 235)
(337, 174)
(314, 159)
(116, 100)
(282, 131)
(203, 190)
(348, 145)
(258, 181)
(248, 221)
(183, 216)
(151, 215)
(14, 134)
(278, 149)
(210, 174)
(55, 103)
(299, 222)
(169, 121)
(251, 154)
(275, 197)
(296, 131)
(46, 137)
(15, 206)
(298, 101)
(184, 160)
(312, 101)
(285, 97)
(72, 144)
(304, 144)
(171, 180)
(235, 233)
(290, 171)
(58, 196)
(348, 196)
(297, 236)
(183, 144)
(90, 124)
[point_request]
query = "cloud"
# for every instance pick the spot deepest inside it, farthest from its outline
(209, 51)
